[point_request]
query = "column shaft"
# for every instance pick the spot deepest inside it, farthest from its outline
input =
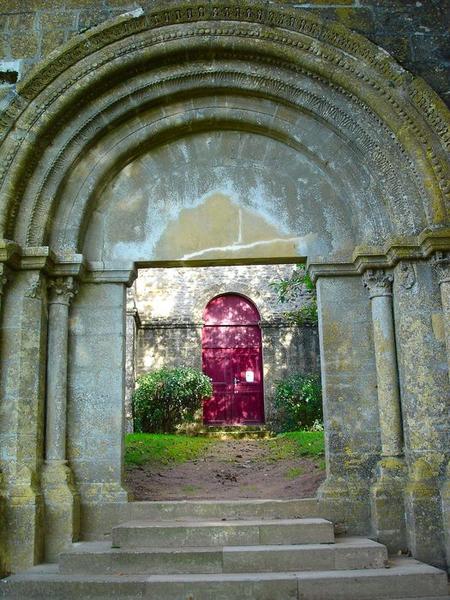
(386, 494)
(442, 268)
(387, 376)
(3, 281)
(57, 381)
(62, 502)
(380, 289)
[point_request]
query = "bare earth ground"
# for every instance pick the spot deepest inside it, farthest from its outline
(230, 469)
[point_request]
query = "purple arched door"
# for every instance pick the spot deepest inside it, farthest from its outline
(232, 357)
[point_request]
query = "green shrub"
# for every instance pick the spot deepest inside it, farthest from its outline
(297, 403)
(168, 397)
(288, 289)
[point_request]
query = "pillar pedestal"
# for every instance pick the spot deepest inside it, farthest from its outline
(445, 500)
(387, 503)
(62, 508)
(424, 512)
(23, 519)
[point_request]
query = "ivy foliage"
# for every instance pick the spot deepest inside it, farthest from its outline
(298, 403)
(289, 289)
(167, 397)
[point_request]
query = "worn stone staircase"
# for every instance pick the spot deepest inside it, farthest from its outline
(202, 556)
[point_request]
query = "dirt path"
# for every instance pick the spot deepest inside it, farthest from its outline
(229, 470)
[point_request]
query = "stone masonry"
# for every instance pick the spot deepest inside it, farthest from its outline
(210, 134)
(414, 32)
(165, 319)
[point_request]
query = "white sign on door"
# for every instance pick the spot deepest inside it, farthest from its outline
(249, 376)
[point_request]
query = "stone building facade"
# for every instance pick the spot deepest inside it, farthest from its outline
(195, 134)
(165, 321)
(415, 32)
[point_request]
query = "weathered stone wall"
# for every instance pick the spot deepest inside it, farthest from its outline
(170, 305)
(414, 32)
(352, 430)
(315, 142)
(95, 391)
(180, 295)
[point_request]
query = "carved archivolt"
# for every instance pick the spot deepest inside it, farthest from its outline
(105, 77)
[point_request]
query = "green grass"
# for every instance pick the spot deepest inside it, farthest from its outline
(297, 443)
(294, 472)
(164, 449)
(144, 448)
(190, 489)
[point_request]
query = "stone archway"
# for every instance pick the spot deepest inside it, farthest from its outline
(346, 153)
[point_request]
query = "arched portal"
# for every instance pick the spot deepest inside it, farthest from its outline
(194, 133)
(232, 357)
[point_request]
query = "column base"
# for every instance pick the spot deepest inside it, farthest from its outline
(3, 570)
(62, 508)
(424, 518)
(23, 519)
(445, 497)
(103, 492)
(387, 503)
(344, 500)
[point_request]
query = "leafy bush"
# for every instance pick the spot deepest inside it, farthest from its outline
(168, 397)
(290, 290)
(297, 403)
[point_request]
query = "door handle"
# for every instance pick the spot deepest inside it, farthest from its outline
(236, 380)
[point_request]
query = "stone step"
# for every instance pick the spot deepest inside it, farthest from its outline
(145, 534)
(98, 557)
(406, 579)
(100, 520)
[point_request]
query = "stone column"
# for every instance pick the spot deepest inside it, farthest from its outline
(96, 390)
(425, 390)
(441, 263)
(61, 498)
(130, 359)
(3, 280)
(387, 508)
(22, 392)
(445, 501)
(349, 400)
(3, 567)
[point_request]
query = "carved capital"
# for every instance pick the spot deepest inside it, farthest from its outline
(378, 282)
(62, 290)
(406, 275)
(36, 287)
(441, 265)
(3, 280)
(5, 276)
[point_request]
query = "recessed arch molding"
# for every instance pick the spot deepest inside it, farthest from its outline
(254, 134)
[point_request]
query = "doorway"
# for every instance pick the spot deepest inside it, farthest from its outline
(232, 357)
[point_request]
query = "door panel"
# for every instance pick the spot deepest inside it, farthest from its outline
(231, 336)
(217, 364)
(232, 357)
